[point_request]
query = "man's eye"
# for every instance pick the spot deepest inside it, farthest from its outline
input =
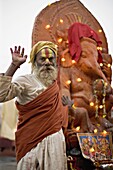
(42, 59)
(51, 59)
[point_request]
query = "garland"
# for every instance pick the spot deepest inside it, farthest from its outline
(96, 97)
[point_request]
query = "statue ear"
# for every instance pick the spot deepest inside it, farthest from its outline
(60, 33)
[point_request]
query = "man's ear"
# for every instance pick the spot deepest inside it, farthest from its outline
(35, 58)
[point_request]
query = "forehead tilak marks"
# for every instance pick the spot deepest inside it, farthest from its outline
(46, 52)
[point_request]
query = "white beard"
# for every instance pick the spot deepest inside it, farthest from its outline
(47, 75)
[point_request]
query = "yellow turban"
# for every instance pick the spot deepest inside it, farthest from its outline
(41, 45)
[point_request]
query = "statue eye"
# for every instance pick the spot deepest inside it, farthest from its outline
(83, 54)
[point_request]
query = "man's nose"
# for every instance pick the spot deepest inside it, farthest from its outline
(47, 62)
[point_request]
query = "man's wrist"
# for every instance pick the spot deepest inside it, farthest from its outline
(12, 69)
(15, 65)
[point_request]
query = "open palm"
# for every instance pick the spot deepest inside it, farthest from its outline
(18, 56)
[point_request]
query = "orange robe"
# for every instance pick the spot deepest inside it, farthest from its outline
(39, 118)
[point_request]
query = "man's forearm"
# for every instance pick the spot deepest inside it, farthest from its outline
(11, 70)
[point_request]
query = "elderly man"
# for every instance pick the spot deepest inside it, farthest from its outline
(40, 143)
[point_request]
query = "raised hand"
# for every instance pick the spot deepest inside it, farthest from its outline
(18, 56)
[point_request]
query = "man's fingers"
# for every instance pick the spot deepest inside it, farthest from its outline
(25, 56)
(22, 53)
(15, 49)
(11, 50)
(19, 49)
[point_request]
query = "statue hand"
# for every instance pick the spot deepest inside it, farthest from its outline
(18, 56)
(67, 101)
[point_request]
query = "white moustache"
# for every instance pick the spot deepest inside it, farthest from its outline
(46, 68)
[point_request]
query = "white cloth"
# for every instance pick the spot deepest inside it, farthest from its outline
(9, 120)
(25, 88)
(51, 149)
